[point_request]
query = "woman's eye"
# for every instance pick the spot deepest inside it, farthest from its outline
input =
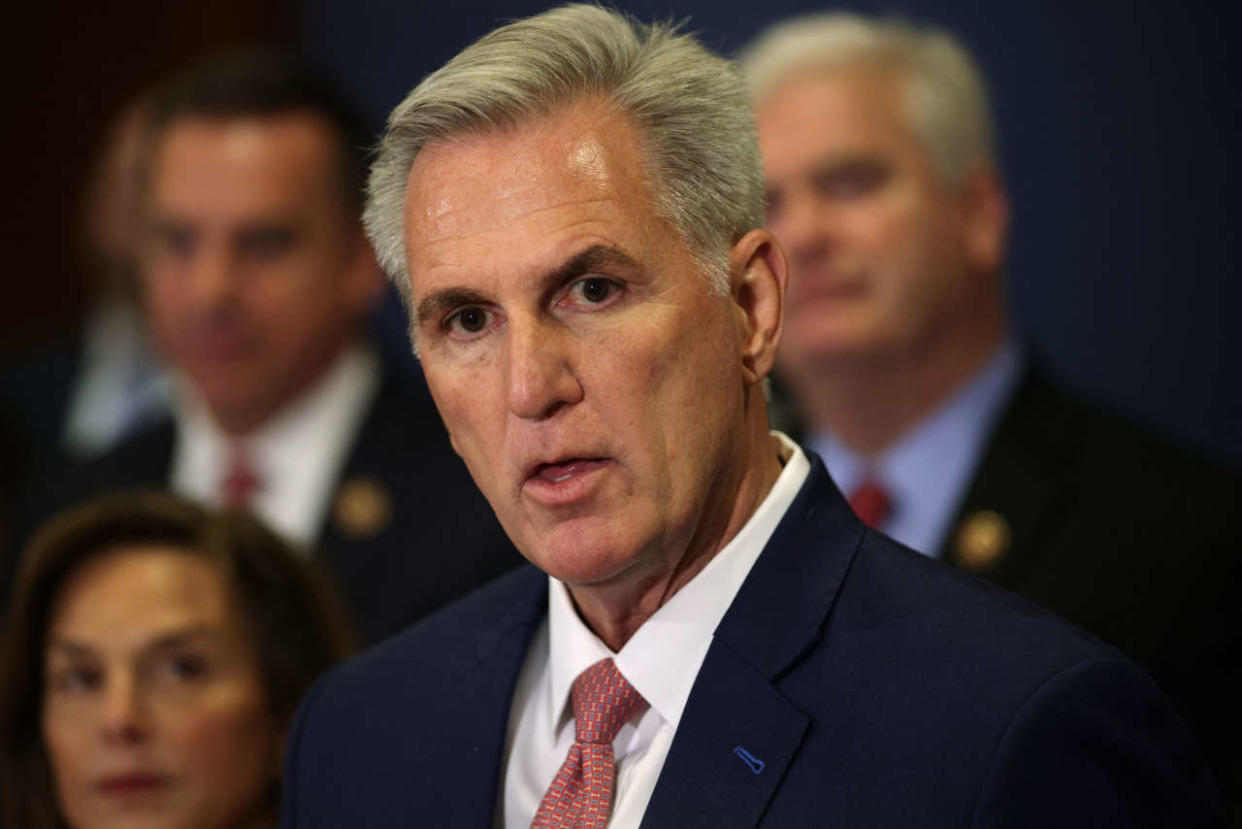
(185, 667)
(75, 679)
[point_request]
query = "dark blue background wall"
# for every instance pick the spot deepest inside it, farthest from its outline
(1119, 131)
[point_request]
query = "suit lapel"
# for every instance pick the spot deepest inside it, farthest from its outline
(482, 692)
(733, 746)
(739, 733)
(1017, 492)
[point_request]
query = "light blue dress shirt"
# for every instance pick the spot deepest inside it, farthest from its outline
(927, 471)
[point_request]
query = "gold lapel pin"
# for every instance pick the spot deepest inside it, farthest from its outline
(982, 539)
(363, 508)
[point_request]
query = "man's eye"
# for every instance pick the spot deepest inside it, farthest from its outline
(266, 244)
(174, 241)
(593, 290)
(854, 180)
(468, 321)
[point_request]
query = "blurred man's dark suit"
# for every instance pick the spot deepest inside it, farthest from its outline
(851, 683)
(1125, 536)
(406, 530)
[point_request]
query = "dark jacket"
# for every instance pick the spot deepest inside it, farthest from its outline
(875, 686)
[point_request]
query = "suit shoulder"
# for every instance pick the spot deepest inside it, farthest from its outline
(1064, 739)
(1105, 450)
(429, 704)
(962, 619)
(450, 638)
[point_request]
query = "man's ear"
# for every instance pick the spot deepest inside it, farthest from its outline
(760, 278)
(985, 227)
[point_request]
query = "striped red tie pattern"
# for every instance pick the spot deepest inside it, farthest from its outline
(581, 793)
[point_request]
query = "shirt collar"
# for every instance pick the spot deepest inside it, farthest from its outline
(928, 468)
(663, 657)
(320, 423)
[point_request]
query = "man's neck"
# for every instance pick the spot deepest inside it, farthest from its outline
(869, 403)
(614, 611)
(254, 415)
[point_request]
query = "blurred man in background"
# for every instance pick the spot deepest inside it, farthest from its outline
(904, 373)
(257, 278)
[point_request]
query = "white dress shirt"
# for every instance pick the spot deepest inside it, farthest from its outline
(297, 455)
(661, 661)
(927, 471)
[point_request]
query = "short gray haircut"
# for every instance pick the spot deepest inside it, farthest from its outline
(945, 96)
(690, 107)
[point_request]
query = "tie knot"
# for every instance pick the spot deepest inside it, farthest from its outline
(241, 482)
(603, 701)
(871, 502)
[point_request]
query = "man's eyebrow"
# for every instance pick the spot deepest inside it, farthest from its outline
(437, 303)
(854, 159)
(251, 226)
(591, 259)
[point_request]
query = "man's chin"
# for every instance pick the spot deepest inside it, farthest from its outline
(584, 556)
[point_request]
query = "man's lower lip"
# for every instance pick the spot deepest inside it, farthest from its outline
(576, 481)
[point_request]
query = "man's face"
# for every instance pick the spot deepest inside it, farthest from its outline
(885, 257)
(587, 376)
(255, 272)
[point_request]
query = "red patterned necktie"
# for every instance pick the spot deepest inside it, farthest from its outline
(581, 793)
(871, 503)
(240, 483)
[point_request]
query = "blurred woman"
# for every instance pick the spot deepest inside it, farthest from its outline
(155, 655)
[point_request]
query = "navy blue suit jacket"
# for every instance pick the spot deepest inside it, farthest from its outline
(874, 687)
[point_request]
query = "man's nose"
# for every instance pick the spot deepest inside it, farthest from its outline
(214, 274)
(541, 377)
(805, 226)
(124, 715)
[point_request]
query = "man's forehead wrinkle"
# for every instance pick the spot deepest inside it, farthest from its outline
(518, 167)
(448, 231)
(511, 178)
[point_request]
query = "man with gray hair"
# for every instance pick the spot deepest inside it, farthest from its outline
(883, 190)
(708, 636)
